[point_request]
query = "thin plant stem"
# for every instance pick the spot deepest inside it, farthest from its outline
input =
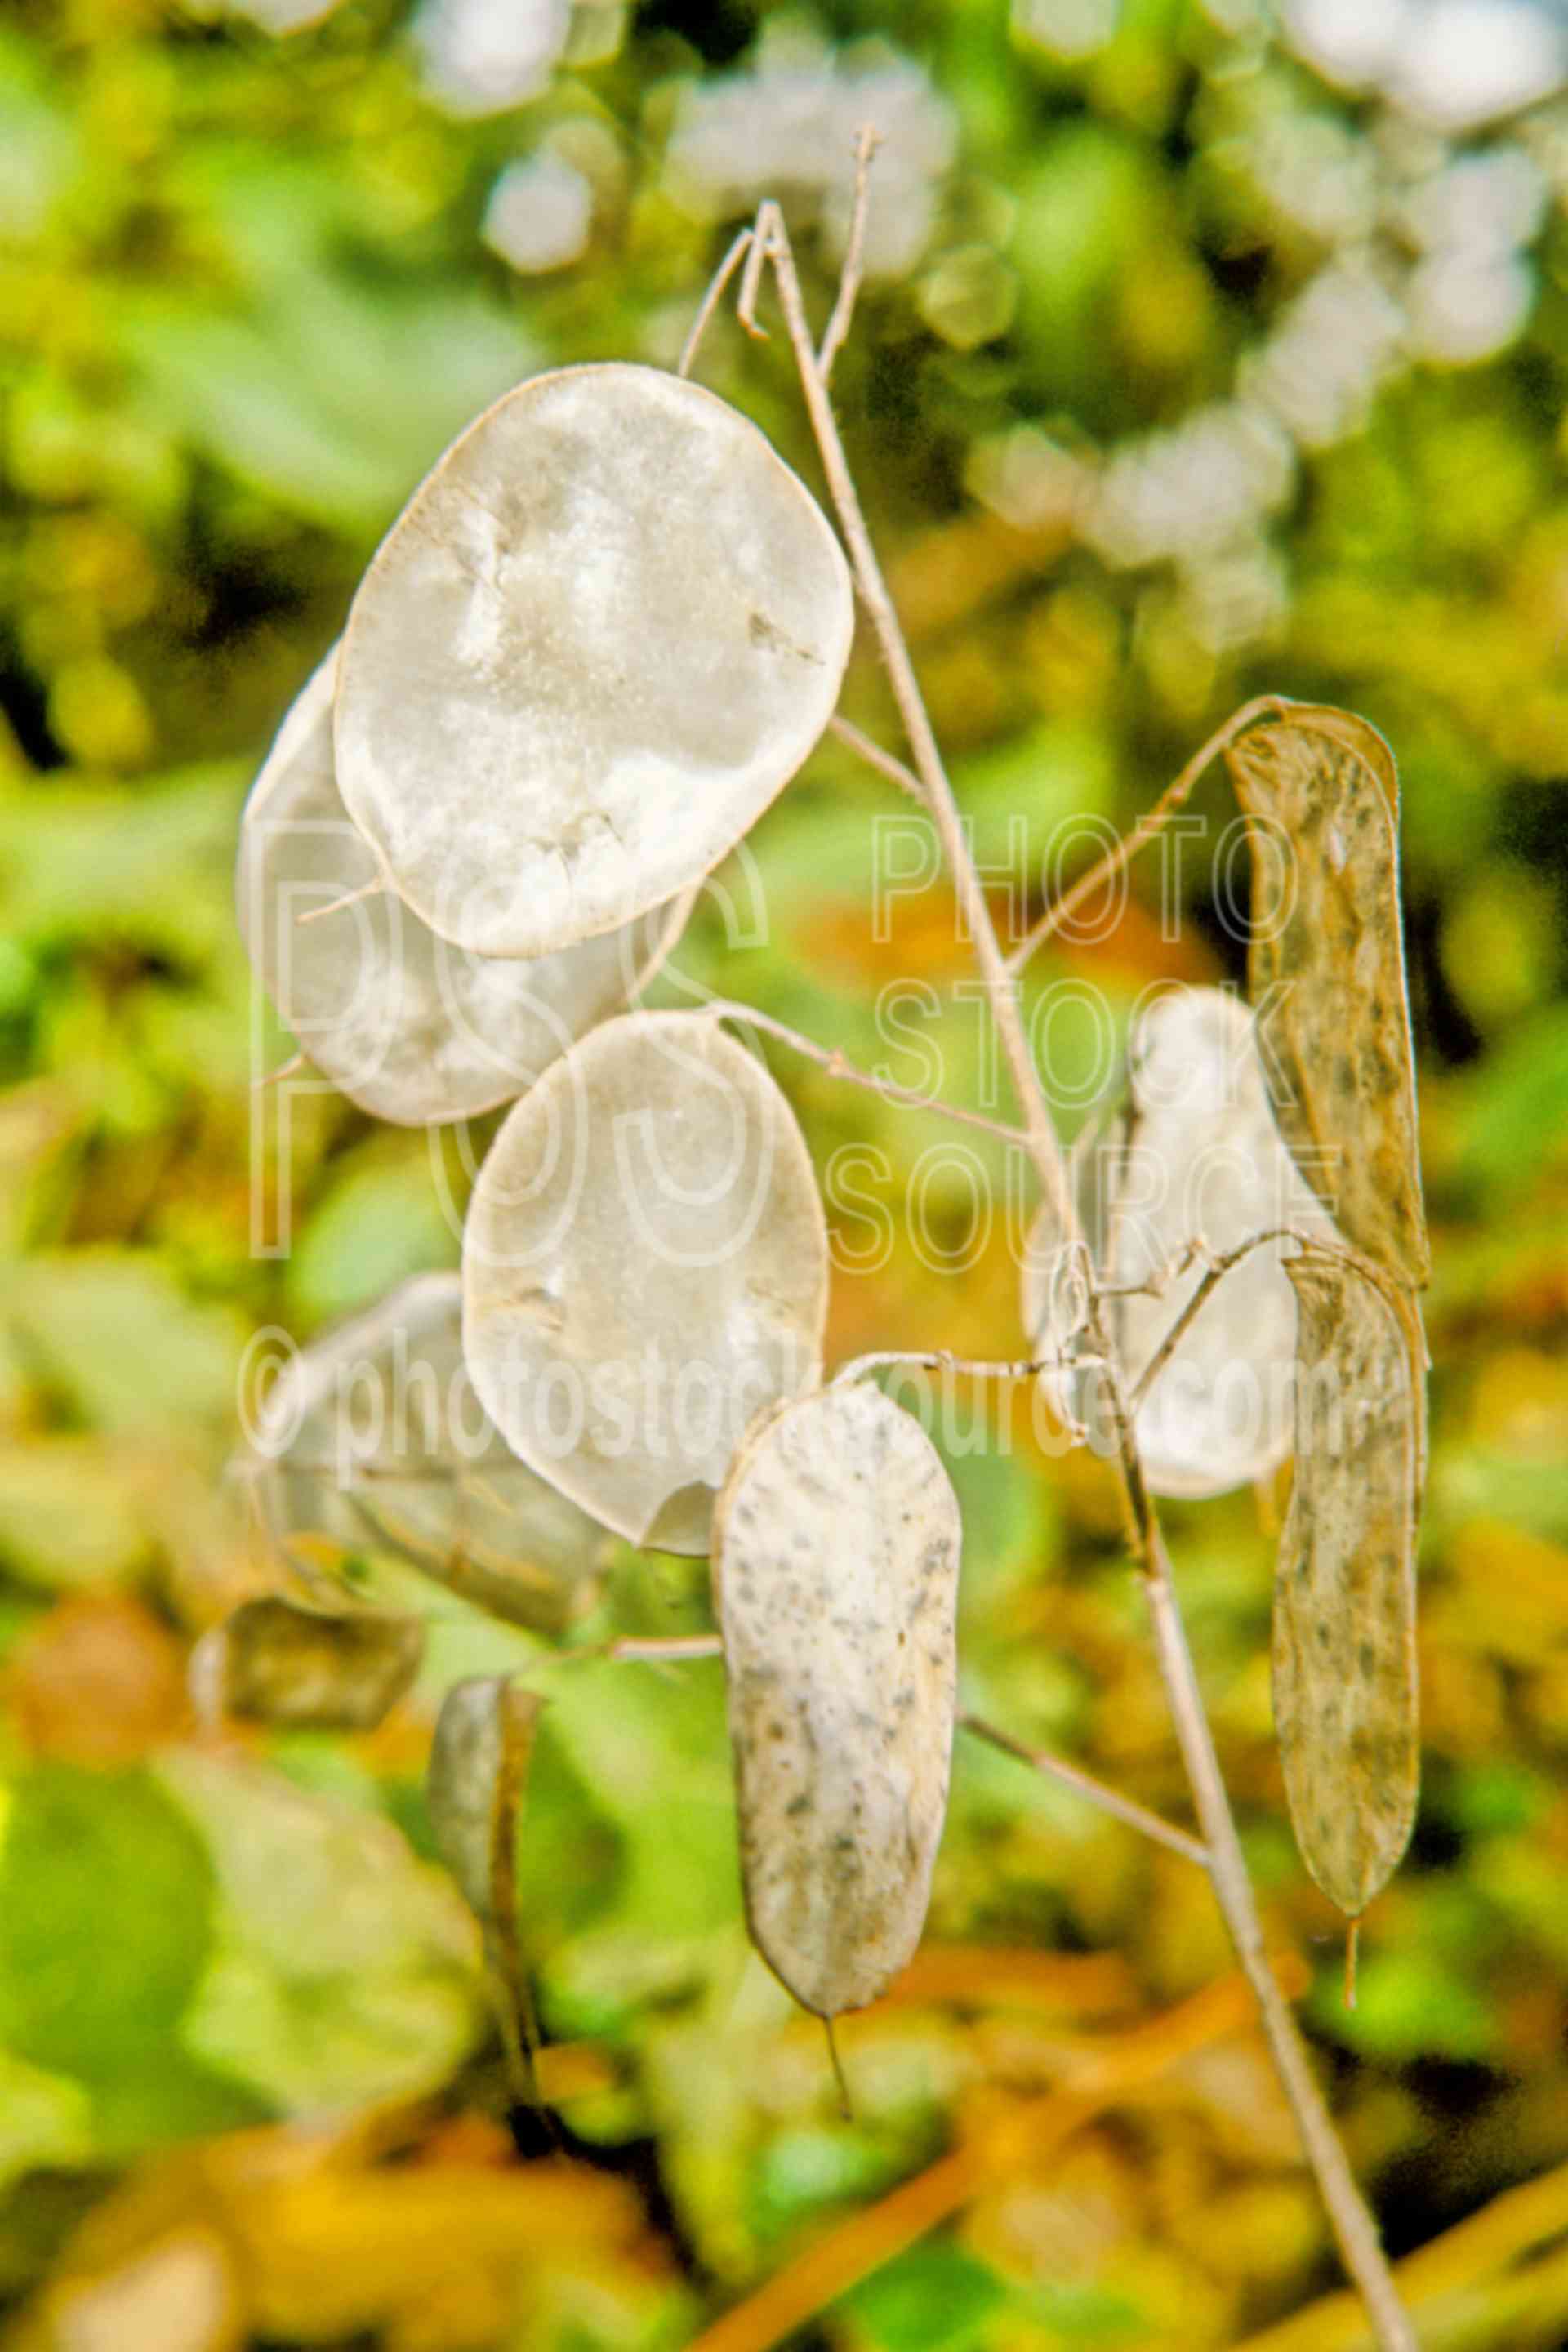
(971, 1368)
(371, 889)
(1352, 2224)
(1083, 1784)
(717, 287)
(875, 757)
(1104, 869)
(284, 1070)
(1213, 1273)
(838, 1065)
(866, 142)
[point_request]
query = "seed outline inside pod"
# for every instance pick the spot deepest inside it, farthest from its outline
(429, 1031)
(1189, 1152)
(645, 1268)
(624, 620)
(836, 1545)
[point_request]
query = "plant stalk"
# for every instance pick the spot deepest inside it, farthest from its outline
(1352, 2224)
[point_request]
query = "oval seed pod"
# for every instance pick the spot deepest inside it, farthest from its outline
(372, 1439)
(1326, 969)
(603, 634)
(1344, 1592)
(836, 1557)
(645, 1267)
(408, 1027)
(1189, 1152)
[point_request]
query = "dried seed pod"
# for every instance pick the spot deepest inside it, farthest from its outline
(478, 1764)
(1188, 1153)
(373, 1438)
(836, 1560)
(1326, 969)
(283, 1665)
(644, 1266)
(1344, 1596)
(474, 1789)
(410, 1027)
(604, 633)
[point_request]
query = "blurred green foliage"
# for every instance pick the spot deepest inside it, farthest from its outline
(1167, 402)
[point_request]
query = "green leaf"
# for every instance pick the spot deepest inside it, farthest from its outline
(106, 1903)
(114, 1331)
(343, 1970)
(935, 2298)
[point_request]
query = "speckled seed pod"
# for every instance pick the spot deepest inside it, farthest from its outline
(1344, 1594)
(1326, 968)
(835, 1557)
(603, 634)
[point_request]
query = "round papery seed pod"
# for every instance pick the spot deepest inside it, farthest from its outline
(408, 1027)
(372, 1439)
(644, 1266)
(836, 1556)
(603, 634)
(1187, 1151)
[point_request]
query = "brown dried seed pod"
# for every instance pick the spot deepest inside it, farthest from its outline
(644, 1266)
(836, 1560)
(1326, 969)
(474, 1790)
(474, 1784)
(609, 626)
(410, 1027)
(1188, 1153)
(1344, 1595)
(283, 1665)
(372, 1439)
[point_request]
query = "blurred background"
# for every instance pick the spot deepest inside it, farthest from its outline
(1205, 350)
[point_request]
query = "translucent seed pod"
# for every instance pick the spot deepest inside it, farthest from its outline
(645, 1267)
(836, 1560)
(1188, 1152)
(603, 634)
(373, 1440)
(410, 1027)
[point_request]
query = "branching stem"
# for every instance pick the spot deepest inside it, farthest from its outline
(838, 1065)
(1352, 2224)
(1083, 1784)
(1106, 869)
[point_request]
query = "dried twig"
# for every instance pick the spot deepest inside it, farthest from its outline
(837, 1065)
(875, 757)
(866, 142)
(717, 287)
(371, 889)
(1083, 1784)
(971, 1368)
(1106, 869)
